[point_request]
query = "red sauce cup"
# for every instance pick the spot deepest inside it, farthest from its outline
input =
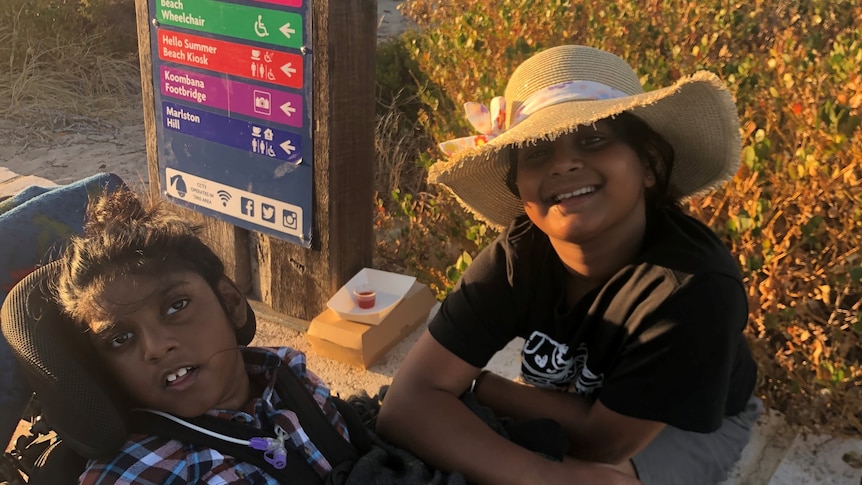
(365, 297)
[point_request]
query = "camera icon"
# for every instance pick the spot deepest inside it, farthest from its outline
(262, 102)
(289, 219)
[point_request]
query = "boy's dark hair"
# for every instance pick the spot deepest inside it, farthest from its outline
(650, 146)
(125, 235)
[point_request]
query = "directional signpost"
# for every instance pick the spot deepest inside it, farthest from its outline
(260, 127)
(233, 128)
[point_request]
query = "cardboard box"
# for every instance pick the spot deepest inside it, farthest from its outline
(361, 344)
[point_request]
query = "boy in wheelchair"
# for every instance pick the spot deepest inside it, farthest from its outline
(144, 307)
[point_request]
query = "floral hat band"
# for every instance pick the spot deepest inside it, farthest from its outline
(491, 123)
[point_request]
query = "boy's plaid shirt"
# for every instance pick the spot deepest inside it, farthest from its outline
(146, 460)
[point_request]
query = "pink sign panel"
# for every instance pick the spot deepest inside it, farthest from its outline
(286, 3)
(232, 96)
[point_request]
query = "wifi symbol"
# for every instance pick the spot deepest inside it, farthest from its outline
(224, 195)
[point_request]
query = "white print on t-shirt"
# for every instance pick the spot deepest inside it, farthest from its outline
(586, 382)
(548, 363)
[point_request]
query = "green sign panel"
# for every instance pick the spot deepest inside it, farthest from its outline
(240, 21)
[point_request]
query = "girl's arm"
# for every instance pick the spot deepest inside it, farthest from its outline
(423, 413)
(595, 432)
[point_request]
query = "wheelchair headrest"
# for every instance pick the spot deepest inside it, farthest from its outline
(56, 357)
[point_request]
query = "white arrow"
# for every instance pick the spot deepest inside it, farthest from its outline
(286, 146)
(288, 70)
(286, 30)
(288, 109)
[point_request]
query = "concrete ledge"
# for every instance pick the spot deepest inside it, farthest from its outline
(6, 174)
(770, 440)
(11, 183)
(820, 459)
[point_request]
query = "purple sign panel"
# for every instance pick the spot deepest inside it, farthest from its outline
(232, 96)
(243, 135)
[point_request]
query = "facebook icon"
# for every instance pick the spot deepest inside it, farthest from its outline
(246, 205)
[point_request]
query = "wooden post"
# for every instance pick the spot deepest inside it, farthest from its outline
(300, 280)
(296, 282)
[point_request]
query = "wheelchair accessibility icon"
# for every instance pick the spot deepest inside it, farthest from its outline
(260, 28)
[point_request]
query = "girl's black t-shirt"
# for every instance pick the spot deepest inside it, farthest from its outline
(661, 340)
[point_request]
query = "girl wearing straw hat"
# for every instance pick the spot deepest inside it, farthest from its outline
(631, 311)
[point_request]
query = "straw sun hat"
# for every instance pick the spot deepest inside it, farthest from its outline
(556, 90)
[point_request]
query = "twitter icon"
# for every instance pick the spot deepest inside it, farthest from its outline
(267, 212)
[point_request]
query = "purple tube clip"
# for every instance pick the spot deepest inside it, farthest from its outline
(276, 457)
(261, 444)
(274, 452)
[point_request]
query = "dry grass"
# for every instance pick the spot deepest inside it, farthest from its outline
(59, 81)
(397, 143)
(410, 222)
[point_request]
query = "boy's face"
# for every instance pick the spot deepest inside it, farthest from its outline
(170, 343)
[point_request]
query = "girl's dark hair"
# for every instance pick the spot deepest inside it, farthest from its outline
(650, 146)
(125, 235)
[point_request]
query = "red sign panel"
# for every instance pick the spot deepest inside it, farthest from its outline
(251, 62)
